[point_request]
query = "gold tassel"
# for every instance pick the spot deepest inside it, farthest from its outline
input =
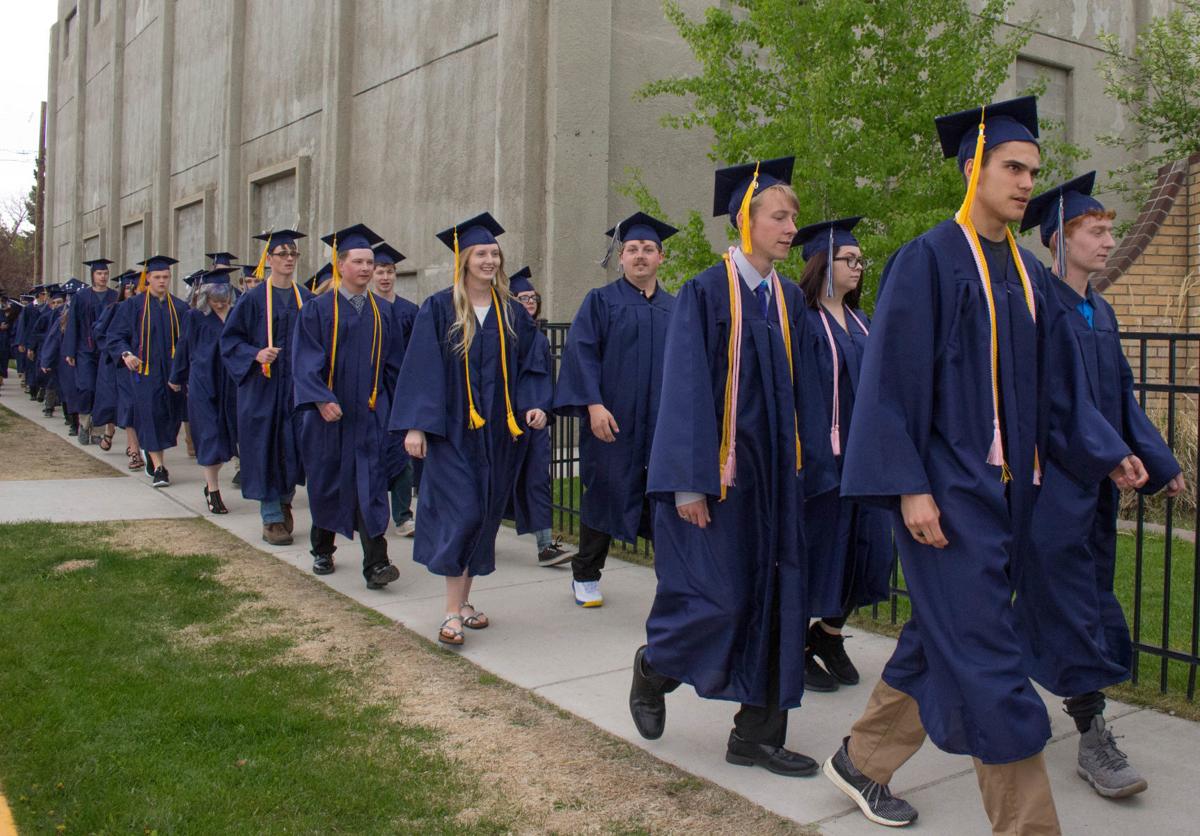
(502, 321)
(376, 350)
(744, 213)
(141, 285)
(261, 269)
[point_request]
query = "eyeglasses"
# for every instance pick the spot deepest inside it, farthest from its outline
(854, 262)
(285, 253)
(527, 298)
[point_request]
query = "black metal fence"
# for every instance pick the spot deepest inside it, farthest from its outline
(1158, 557)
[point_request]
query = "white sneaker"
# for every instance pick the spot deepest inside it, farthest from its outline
(407, 528)
(587, 593)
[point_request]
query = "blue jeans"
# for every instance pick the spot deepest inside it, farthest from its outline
(272, 509)
(544, 538)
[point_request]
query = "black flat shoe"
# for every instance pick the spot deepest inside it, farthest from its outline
(771, 758)
(323, 564)
(215, 505)
(647, 703)
(381, 576)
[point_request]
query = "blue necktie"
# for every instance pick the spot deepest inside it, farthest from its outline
(764, 297)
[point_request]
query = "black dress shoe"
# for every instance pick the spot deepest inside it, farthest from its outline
(771, 758)
(816, 678)
(381, 576)
(646, 697)
(323, 564)
(831, 650)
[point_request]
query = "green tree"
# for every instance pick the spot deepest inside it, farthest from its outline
(851, 88)
(1159, 86)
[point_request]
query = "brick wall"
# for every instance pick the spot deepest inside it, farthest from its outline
(1153, 277)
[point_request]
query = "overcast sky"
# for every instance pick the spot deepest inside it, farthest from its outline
(24, 54)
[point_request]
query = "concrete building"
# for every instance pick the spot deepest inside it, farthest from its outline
(184, 126)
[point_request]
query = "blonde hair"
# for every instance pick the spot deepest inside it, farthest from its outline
(784, 188)
(462, 330)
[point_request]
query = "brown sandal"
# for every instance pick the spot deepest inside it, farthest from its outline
(448, 635)
(476, 620)
(136, 462)
(106, 441)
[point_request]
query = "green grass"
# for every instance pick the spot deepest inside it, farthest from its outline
(114, 720)
(1148, 690)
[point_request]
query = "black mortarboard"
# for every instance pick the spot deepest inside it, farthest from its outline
(222, 259)
(158, 262)
(356, 237)
(1060, 204)
(97, 264)
(387, 254)
(279, 237)
(217, 275)
(1013, 120)
(521, 282)
(733, 181)
(481, 229)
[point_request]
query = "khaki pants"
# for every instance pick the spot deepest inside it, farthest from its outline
(1016, 795)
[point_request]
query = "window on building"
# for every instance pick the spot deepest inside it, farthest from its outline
(68, 31)
(1054, 101)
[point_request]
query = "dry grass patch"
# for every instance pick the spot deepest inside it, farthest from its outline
(29, 451)
(539, 766)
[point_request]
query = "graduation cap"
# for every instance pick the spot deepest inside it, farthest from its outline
(637, 227)
(192, 278)
(1053, 208)
(321, 275)
(387, 254)
(736, 186)
(222, 259)
(28, 297)
(481, 229)
(217, 275)
(521, 282)
(56, 291)
(128, 277)
(97, 264)
(1013, 120)
(248, 270)
(356, 237)
(73, 285)
(38, 289)
(279, 237)
(157, 262)
(826, 235)
(273, 239)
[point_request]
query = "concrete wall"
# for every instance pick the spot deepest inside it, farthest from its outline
(189, 125)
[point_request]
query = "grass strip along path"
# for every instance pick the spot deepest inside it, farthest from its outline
(163, 677)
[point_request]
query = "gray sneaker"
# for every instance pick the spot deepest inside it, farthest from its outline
(1104, 766)
(874, 799)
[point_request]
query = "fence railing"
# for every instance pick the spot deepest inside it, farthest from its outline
(1158, 557)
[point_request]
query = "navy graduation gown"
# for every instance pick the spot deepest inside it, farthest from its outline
(849, 543)
(49, 357)
(529, 506)
(121, 378)
(157, 411)
(38, 328)
(211, 391)
(614, 356)
(267, 422)
(79, 342)
(923, 425)
(468, 474)
(404, 313)
(343, 459)
(22, 336)
(1075, 633)
(710, 622)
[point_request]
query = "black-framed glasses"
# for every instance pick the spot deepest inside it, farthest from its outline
(528, 298)
(854, 262)
(284, 252)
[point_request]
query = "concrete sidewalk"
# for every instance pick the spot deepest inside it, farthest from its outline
(580, 660)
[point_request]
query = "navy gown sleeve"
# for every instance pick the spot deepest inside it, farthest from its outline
(48, 352)
(239, 338)
(422, 378)
(685, 453)
(181, 362)
(309, 367)
(534, 389)
(885, 454)
(578, 384)
(820, 467)
(70, 340)
(1080, 439)
(120, 330)
(1144, 438)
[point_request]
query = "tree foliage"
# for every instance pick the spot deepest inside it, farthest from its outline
(851, 88)
(1159, 85)
(16, 243)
